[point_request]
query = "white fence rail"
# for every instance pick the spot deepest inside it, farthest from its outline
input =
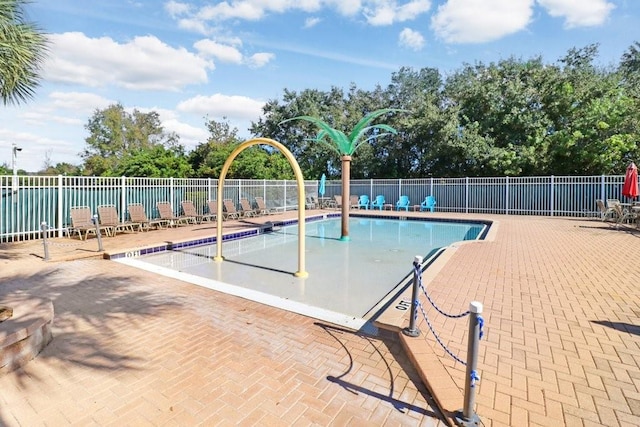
(27, 201)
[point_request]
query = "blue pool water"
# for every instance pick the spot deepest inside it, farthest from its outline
(345, 279)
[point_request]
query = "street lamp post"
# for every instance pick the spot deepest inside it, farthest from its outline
(14, 158)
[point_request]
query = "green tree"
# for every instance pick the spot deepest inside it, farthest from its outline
(255, 162)
(115, 134)
(62, 169)
(23, 48)
(156, 161)
(501, 116)
(312, 158)
(592, 118)
(337, 141)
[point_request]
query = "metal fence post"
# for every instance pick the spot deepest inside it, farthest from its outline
(467, 417)
(44, 228)
(98, 235)
(412, 330)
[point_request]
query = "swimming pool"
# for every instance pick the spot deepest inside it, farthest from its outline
(346, 279)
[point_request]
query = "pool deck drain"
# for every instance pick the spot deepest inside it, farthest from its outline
(561, 346)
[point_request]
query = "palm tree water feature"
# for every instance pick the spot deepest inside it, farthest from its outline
(347, 285)
(345, 146)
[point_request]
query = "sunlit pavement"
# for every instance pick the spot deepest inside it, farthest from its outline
(561, 343)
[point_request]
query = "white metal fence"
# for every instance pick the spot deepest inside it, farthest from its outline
(27, 201)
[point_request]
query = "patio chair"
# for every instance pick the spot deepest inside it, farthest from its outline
(189, 210)
(338, 200)
(230, 210)
(246, 210)
(378, 202)
(262, 207)
(624, 215)
(403, 203)
(82, 222)
(354, 201)
(363, 201)
(428, 203)
(138, 215)
(605, 212)
(109, 217)
(166, 213)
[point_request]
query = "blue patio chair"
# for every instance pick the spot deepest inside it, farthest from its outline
(378, 202)
(429, 203)
(403, 203)
(363, 201)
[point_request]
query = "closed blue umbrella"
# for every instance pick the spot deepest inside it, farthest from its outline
(321, 189)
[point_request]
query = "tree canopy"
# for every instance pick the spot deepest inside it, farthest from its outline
(513, 117)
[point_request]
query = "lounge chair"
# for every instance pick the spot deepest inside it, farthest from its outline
(262, 207)
(166, 213)
(403, 203)
(230, 209)
(338, 200)
(82, 222)
(311, 202)
(189, 210)
(212, 206)
(605, 212)
(363, 202)
(429, 203)
(378, 202)
(354, 201)
(109, 217)
(138, 215)
(246, 210)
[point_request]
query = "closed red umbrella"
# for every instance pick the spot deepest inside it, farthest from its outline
(630, 186)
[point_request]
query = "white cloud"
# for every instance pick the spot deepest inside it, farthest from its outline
(346, 7)
(175, 8)
(79, 101)
(65, 108)
(260, 59)
(144, 63)
(190, 136)
(222, 52)
(579, 13)
(236, 10)
(218, 106)
(311, 22)
(411, 39)
(479, 21)
(194, 25)
(376, 12)
(387, 12)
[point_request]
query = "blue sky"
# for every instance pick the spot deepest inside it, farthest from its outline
(189, 60)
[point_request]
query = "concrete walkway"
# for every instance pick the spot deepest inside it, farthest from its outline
(561, 346)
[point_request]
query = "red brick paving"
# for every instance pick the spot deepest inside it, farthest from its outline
(133, 348)
(561, 346)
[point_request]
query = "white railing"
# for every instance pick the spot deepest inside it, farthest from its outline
(27, 201)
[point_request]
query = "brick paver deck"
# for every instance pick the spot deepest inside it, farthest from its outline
(561, 346)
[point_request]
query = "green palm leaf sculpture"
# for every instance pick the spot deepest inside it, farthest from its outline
(345, 145)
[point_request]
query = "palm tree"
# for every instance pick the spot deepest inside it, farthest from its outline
(22, 51)
(345, 146)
